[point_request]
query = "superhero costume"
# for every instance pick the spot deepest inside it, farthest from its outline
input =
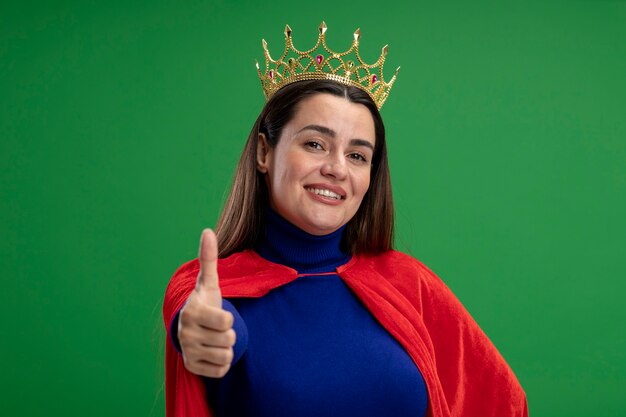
(464, 373)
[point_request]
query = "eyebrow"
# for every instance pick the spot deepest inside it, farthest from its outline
(329, 132)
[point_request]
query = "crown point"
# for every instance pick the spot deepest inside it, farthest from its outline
(323, 28)
(318, 66)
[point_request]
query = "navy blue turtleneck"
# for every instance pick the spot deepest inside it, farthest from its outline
(311, 348)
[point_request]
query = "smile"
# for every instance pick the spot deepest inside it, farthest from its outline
(324, 193)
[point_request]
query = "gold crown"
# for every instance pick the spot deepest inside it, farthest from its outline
(309, 65)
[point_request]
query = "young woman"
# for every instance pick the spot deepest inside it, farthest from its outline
(319, 315)
(298, 305)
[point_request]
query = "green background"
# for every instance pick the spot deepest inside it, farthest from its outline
(121, 123)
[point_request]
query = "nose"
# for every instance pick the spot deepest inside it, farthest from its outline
(335, 166)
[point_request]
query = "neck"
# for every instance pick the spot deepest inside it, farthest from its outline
(286, 244)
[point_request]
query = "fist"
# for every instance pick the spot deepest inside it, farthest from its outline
(205, 330)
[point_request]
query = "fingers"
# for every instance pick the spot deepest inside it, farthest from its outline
(215, 362)
(221, 320)
(222, 339)
(207, 352)
(207, 369)
(207, 254)
(212, 318)
(192, 336)
(217, 356)
(211, 355)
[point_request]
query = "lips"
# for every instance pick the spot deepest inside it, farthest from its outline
(324, 193)
(326, 190)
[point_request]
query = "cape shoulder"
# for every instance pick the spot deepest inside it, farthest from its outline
(407, 275)
(242, 274)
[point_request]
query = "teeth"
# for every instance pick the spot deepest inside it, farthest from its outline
(325, 193)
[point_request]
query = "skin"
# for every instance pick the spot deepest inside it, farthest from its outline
(205, 330)
(327, 146)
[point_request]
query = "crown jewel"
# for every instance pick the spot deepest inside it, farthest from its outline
(324, 64)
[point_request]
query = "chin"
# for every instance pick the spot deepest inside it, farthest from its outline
(315, 221)
(322, 228)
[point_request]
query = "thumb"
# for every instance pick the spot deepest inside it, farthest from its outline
(207, 282)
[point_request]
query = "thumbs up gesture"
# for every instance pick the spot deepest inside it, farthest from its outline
(205, 330)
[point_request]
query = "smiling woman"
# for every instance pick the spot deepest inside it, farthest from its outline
(318, 174)
(313, 313)
(330, 123)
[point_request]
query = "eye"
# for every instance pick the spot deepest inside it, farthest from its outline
(314, 145)
(357, 157)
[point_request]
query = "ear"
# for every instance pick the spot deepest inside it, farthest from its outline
(263, 151)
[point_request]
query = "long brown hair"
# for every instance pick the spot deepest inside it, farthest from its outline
(241, 223)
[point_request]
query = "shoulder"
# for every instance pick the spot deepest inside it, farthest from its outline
(245, 263)
(397, 267)
(239, 263)
(242, 274)
(420, 286)
(183, 280)
(407, 275)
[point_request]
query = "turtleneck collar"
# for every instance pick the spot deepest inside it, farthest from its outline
(288, 245)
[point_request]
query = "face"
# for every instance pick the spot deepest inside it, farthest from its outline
(319, 171)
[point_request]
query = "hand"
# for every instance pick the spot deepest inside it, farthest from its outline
(205, 330)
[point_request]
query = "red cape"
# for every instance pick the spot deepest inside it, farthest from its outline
(464, 373)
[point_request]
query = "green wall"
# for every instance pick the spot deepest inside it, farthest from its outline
(120, 125)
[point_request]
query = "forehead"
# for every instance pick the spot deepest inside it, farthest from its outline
(352, 120)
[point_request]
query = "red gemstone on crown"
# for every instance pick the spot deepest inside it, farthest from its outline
(271, 74)
(319, 59)
(374, 78)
